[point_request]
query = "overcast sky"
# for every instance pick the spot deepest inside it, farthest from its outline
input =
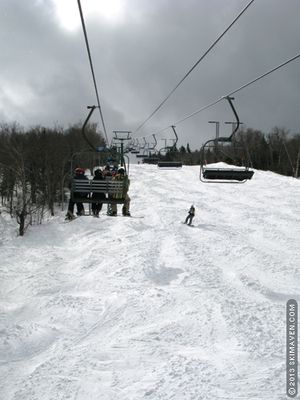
(141, 49)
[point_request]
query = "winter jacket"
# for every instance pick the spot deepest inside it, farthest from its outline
(192, 210)
(125, 179)
(81, 177)
(98, 195)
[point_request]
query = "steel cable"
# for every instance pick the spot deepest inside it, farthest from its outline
(194, 66)
(92, 68)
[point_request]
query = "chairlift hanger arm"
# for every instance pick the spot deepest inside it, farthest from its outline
(155, 141)
(92, 108)
(226, 139)
(229, 99)
(222, 139)
(176, 136)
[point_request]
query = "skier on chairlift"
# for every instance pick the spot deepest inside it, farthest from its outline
(79, 173)
(97, 206)
(121, 175)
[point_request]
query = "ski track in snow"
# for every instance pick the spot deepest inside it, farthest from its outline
(132, 309)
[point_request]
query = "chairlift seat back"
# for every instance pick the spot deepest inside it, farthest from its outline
(227, 174)
(169, 164)
(82, 190)
(150, 160)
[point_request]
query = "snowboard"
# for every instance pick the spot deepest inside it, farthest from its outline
(191, 226)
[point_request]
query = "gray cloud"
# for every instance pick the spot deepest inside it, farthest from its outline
(45, 76)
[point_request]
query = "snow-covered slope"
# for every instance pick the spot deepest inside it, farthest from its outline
(148, 308)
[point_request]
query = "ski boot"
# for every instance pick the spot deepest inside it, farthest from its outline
(70, 216)
(80, 213)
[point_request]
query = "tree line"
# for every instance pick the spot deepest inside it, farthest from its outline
(35, 166)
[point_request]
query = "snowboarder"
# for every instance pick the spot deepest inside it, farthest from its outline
(190, 216)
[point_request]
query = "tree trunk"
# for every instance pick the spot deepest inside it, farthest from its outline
(297, 165)
(21, 221)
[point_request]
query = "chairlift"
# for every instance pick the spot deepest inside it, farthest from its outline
(133, 147)
(136, 147)
(153, 145)
(144, 149)
(82, 189)
(151, 160)
(170, 164)
(147, 156)
(224, 175)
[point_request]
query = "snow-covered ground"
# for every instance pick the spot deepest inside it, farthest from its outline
(148, 308)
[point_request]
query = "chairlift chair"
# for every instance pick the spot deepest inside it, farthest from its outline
(82, 190)
(135, 147)
(170, 164)
(151, 160)
(223, 175)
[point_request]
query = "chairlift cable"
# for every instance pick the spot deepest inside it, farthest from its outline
(213, 103)
(194, 66)
(265, 74)
(234, 91)
(189, 116)
(92, 68)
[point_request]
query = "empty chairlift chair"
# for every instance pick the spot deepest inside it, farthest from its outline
(230, 174)
(170, 164)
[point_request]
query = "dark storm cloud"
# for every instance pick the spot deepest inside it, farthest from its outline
(45, 76)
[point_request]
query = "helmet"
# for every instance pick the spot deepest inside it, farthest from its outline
(121, 171)
(79, 171)
(98, 172)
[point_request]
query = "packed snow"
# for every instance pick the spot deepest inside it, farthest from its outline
(120, 308)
